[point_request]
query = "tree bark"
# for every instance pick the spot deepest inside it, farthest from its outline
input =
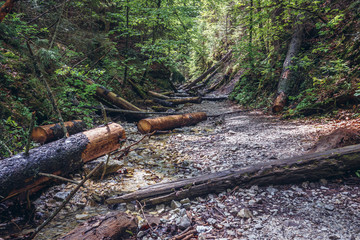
(287, 77)
(158, 95)
(51, 132)
(308, 167)
(117, 225)
(177, 101)
(114, 98)
(137, 90)
(19, 173)
(6, 8)
(210, 70)
(149, 125)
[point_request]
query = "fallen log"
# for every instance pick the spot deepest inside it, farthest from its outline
(177, 101)
(215, 98)
(149, 125)
(116, 225)
(51, 132)
(20, 172)
(158, 95)
(210, 70)
(114, 98)
(137, 89)
(308, 167)
(161, 102)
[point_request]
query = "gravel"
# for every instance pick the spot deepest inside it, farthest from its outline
(327, 209)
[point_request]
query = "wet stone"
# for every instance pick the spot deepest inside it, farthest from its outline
(61, 196)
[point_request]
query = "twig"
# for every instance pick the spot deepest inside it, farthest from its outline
(72, 193)
(186, 234)
(55, 7)
(29, 134)
(57, 177)
(127, 149)
(143, 214)
(57, 24)
(105, 167)
(6, 147)
(42, 76)
(103, 110)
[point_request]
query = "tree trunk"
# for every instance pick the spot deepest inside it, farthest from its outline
(286, 79)
(48, 133)
(158, 95)
(6, 8)
(149, 125)
(116, 99)
(177, 101)
(116, 225)
(210, 70)
(137, 90)
(19, 173)
(309, 167)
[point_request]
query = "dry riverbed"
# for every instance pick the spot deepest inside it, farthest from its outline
(328, 209)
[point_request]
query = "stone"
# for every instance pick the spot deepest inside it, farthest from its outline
(185, 200)
(211, 221)
(140, 234)
(81, 216)
(61, 196)
(203, 229)
(183, 222)
(329, 207)
(245, 213)
(258, 226)
(175, 204)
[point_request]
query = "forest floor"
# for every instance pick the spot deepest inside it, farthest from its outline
(328, 209)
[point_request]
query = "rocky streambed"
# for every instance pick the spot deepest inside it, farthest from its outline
(328, 209)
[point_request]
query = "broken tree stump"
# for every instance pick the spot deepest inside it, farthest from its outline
(116, 225)
(20, 172)
(149, 125)
(51, 132)
(308, 167)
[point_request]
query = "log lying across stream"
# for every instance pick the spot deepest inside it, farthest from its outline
(309, 167)
(51, 132)
(116, 225)
(20, 173)
(149, 125)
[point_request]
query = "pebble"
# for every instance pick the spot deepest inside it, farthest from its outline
(175, 204)
(61, 196)
(245, 213)
(183, 222)
(211, 221)
(82, 216)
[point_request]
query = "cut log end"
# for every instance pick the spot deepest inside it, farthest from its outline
(47, 133)
(170, 122)
(279, 102)
(144, 126)
(39, 135)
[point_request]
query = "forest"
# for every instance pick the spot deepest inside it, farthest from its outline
(179, 119)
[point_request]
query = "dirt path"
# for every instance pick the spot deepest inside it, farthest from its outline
(323, 210)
